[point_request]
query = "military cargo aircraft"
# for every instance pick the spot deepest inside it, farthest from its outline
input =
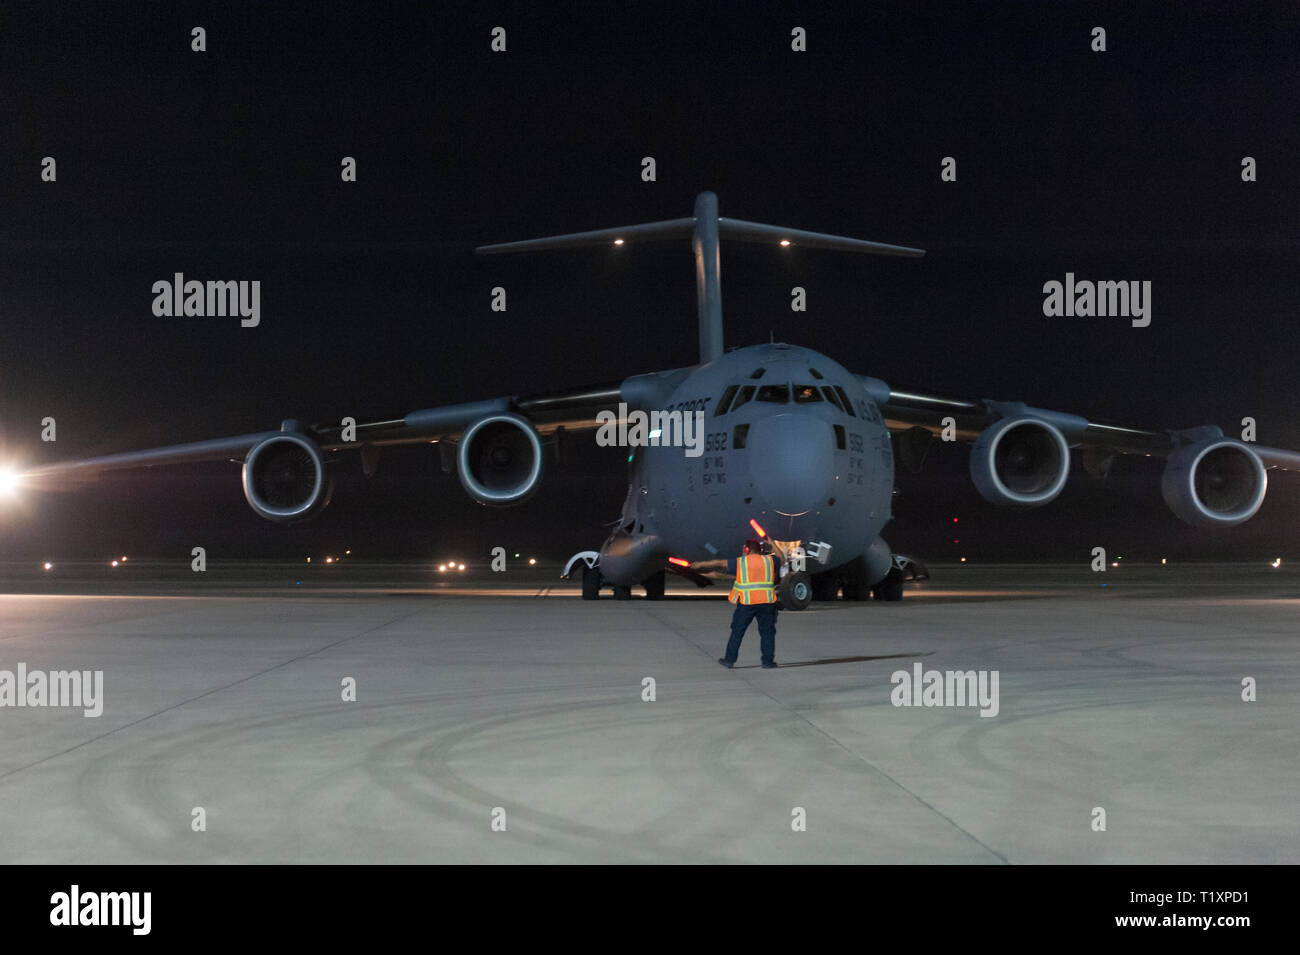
(796, 448)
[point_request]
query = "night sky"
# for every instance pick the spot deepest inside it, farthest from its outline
(226, 165)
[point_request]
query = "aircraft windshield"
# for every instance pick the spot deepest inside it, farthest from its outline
(745, 394)
(844, 401)
(727, 395)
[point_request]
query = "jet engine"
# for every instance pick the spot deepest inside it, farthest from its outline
(1217, 482)
(500, 459)
(284, 478)
(1020, 460)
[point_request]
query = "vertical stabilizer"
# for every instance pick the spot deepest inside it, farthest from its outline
(708, 279)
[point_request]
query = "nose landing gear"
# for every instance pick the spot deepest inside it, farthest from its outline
(795, 592)
(795, 589)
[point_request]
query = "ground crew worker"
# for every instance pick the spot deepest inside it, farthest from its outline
(754, 594)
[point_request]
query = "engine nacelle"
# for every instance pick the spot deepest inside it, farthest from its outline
(1217, 482)
(1021, 461)
(284, 478)
(500, 459)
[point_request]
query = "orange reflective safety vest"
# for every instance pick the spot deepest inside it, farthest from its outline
(755, 575)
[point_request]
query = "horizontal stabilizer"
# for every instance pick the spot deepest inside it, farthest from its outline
(670, 229)
(705, 229)
(737, 229)
(761, 232)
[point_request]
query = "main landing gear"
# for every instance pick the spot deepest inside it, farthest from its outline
(851, 580)
(593, 581)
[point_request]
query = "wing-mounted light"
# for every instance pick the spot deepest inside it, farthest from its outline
(1020, 461)
(499, 459)
(1215, 482)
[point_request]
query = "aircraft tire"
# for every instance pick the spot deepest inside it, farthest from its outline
(891, 588)
(855, 580)
(654, 586)
(795, 591)
(590, 582)
(826, 585)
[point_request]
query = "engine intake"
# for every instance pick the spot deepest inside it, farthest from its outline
(500, 459)
(1217, 482)
(284, 478)
(1020, 461)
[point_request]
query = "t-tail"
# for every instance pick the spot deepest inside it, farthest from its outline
(705, 229)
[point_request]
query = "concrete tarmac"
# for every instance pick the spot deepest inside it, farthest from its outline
(504, 697)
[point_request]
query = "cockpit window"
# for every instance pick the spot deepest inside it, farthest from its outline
(746, 393)
(844, 401)
(776, 394)
(727, 395)
(806, 394)
(831, 396)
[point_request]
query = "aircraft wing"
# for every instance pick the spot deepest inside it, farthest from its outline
(1021, 453)
(906, 410)
(547, 414)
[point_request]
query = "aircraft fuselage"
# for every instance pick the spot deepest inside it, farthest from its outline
(792, 441)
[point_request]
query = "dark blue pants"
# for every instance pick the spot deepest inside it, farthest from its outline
(766, 614)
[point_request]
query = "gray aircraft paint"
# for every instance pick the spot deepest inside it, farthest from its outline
(790, 477)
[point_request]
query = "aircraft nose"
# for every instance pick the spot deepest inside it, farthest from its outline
(793, 461)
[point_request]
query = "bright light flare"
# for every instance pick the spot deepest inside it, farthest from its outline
(8, 482)
(1276, 563)
(532, 561)
(113, 564)
(47, 565)
(442, 568)
(785, 243)
(460, 566)
(618, 241)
